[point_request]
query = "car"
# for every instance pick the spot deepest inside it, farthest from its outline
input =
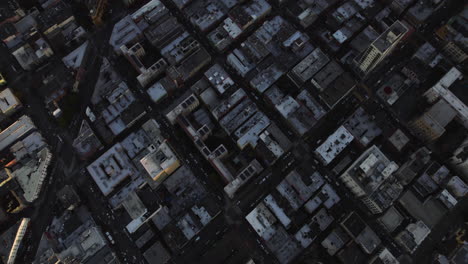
(2, 80)
(111, 239)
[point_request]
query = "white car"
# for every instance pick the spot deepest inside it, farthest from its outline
(110, 238)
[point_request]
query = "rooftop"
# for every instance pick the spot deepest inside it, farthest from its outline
(308, 67)
(75, 59)
(335, 241)
(31, 176)
(413, 236)
(160, 162)
(392, 35)
(124, 32)
(362, 126)
(334, 145)
(111, 168)
(54, 15)
(430, 211)
(157, 254)
(16, 131)
(86, 142)
(262, 220)
(371, 176)
(361, 232)
(391, 219)
(8, 101)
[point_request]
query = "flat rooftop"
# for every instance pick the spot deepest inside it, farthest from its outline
(111, 168)
(334, 145)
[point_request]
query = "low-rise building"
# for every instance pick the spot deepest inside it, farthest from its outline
(413, 236)
(361, 233)
(334, 145)
(160, 162)
(9, 103)
(362, 126)
(86, 143)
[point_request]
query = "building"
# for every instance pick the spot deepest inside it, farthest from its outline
(86, 143)
(239, 19)
(307, 12)
(413, 236)
(111, 168)
(362, 126)
(308, 67)
(391, 219)
(452, 37)
(254, 168)
(207, 14)
(361, 233)
(335, 241)
(9, 103)
(160, 162)
(58, 24)
(18, 240)
(370, 179)
(384, 256)
(68, 197)
(413, 166)
(26, 164)
(190, 208)
(429, 210)
(334, 145)
(301, 112)
(459, 160)
(16, 131)
(185, 107)
(419, 12)
(118, 111)
(441, 91)
(121, 163)
(124, 32)
(398, 140)
(74, 237)
(31, 51)
(157, 254)
(399, 6)
(32, 174)
(381, 48)
(431, 125)
(97, 10)
(7, 238)
(333, 83)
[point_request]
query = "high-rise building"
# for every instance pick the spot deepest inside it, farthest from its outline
(370, 178)
(381, 47)
(459, 160)
(447, 107)
(431, 125)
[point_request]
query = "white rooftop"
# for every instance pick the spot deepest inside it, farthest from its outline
(28, 145)
(14, 132)
(31, 176)
(8, 100)
(261, 220)
(440, 90)
(157, 92)
(124, 31)
(111, 168)
(334, 145)
(75, 58)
